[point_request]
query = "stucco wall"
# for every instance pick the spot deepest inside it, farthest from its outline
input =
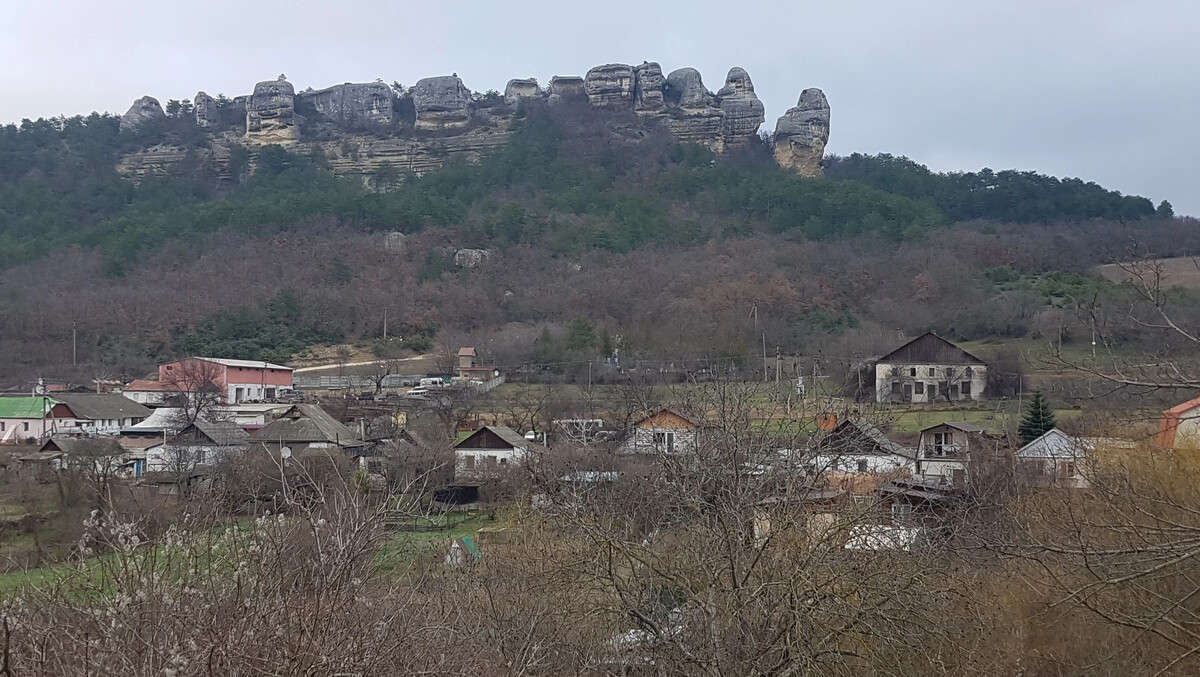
(926, 378)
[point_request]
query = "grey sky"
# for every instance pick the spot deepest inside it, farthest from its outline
(1105, 90)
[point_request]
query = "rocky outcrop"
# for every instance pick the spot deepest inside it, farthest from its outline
(271, 113)
(471, 258)
(353, 105)
(610, 86)
(394, 241)
(143, 110)
(696, 116)
(567, 89)
(442, 103)
(521, 88)
(802, 132)
(206, 110)
(685, 88)
(744, 113)
(648, 84)
(371, 156)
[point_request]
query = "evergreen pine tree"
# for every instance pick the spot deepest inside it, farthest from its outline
(1037, 420)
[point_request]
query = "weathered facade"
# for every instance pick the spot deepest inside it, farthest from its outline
(929, 369)
(663, 432)
(945, 451)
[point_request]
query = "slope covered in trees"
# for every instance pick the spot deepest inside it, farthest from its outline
(598, 228)
(566, 181)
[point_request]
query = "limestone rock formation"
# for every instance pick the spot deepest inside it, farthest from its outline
(271, 113)
(648, 84)
(206, 109)
(685, 88)
(143, 110)
(698, 118)
(353, 104)
(441, 103)
(470, 258)
(744, 113)
(567, 89)
(521, 88)
(610, 86)
(394, 241)
(802, 132)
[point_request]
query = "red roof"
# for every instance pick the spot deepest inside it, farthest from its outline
(147, 385)
(1169, 422)
(466, 352)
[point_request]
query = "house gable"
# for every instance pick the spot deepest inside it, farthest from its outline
(487, 438)
(665, 420)
(929, 348)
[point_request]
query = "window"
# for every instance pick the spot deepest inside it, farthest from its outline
(26, 425)
(942, 442)
(901, 512)
(664, 441)
(933, 371)
(1, 425)
(920, 388)
(965, 388)
(912, 371)
(862, 465)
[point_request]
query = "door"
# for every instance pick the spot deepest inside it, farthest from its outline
(237, 394)
(908, 392)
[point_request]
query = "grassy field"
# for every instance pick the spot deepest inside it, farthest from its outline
(1181, 271)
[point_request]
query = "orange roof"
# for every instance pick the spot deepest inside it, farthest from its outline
(466, 352)
(1169, 423)
(147, 385)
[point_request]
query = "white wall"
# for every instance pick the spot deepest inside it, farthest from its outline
(483, 461)
(888, 374)
(880, 463)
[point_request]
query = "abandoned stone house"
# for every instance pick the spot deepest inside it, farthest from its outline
(929, 369)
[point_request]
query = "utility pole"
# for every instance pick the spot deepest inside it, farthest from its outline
(74, 352)
(385, 324)
(764, 345)
(778, 365)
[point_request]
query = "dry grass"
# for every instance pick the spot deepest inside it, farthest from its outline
(1181, 271)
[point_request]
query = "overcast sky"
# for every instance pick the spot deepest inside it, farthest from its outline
(1105, 90)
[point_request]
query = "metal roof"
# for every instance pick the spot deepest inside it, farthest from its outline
(24, 407)
(247, 364)
(307, 423)
(929, 348)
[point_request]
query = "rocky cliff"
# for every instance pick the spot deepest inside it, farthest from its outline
(373, 128)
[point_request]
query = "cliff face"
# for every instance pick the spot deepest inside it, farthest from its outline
(371, 128)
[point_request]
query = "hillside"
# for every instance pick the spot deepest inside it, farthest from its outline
(603, 230)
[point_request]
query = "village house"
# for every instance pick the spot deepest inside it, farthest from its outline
(665, 431)
(149, 392)
(306, 426)
(199, 443)
(99, 454)
(23, 418)
(37, 417)
(1055, 459)
(1179, 427)
(468, 367)
(236, 380)
(856, 446)
(489, 451)
(944, 451)
(929, 369)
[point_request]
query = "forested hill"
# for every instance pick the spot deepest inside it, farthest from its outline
(569, 180)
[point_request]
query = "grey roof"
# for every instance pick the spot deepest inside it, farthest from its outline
(99, 406)
(875, 436)
(222, 433)
(79, 446)
(1054, 443)
(957, 425)
(929, 348)
(307, 423)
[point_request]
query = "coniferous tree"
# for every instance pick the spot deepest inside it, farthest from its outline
(1038, 419)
